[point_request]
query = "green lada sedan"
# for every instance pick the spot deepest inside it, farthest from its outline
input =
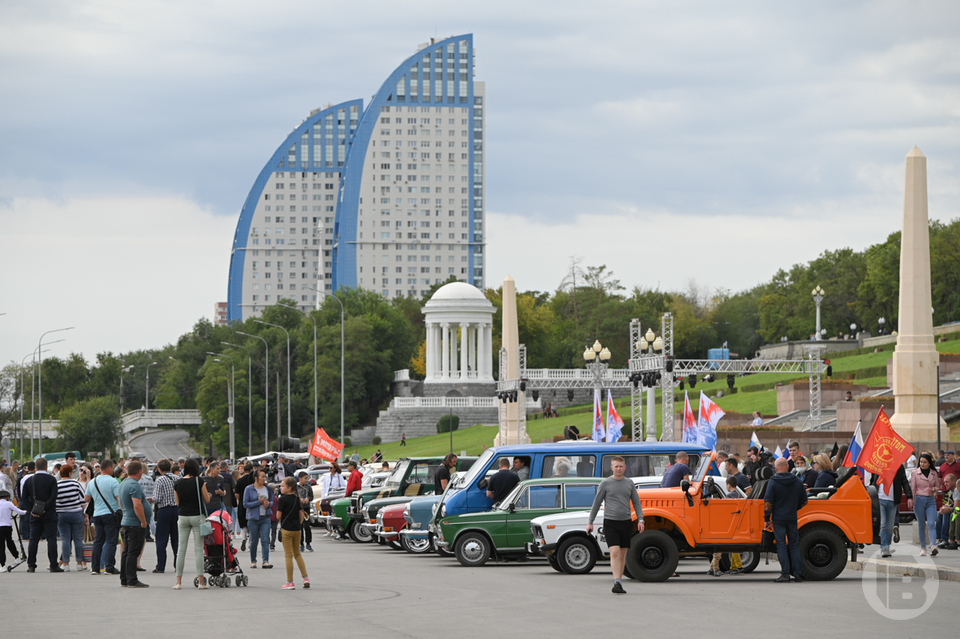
(504, 531)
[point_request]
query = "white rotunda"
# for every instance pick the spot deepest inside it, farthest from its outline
(459, 321)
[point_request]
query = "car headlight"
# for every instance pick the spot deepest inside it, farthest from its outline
(380, 517)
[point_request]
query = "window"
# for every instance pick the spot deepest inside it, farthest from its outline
(568, 466)
(645, 465)
(539, 497)
(579, 496)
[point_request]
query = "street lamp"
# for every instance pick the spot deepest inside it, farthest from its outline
(266, 392)
(249, 395)
(23, 394)
(146, 391)
(818, 297)
(652, 344)
(853, 331)
(231, 398)
(342, 358)
(288, 374)
(881, 322)
(40, 382)
(122, 371)
(596, 357)
(315, 396)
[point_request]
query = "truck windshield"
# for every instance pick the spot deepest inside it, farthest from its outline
(398, 473)
(702, 468)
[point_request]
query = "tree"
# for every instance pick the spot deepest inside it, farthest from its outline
(90, 425)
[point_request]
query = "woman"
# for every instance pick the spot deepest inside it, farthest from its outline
(333, 480)
(841, 455)
(825, 477)
(290, 512)
(7, 480)
(84, 477)
(190, 514)
(258, 502)
(924, 482)
(70, 504)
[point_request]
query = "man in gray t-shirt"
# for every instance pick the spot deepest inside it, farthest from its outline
(616, 494)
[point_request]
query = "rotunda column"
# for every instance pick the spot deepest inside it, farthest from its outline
(445, 350)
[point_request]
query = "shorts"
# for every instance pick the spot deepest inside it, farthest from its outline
(618, 532)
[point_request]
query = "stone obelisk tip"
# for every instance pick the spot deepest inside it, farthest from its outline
(915, 152)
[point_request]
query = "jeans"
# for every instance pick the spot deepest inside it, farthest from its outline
(71, 530)
(273, 533)
(888, 519)
(166, 529)
(133, 537)
(925, 508)
(259, 532)
(105, 543)
(306, 533)
(43, 527)
(788, 548)
(943, 526)
(291, 553)
(185, 525)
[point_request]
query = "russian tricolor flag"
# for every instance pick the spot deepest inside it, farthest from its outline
(853, 452)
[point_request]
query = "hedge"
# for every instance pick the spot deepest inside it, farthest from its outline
(444, 425)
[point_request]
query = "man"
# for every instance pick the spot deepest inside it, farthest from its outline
(229, 487)
(104, 491)
(521, 469)
(503, 482)
(281, 468)
(442, 478)
(752, 464)
(28, 469)
(794, 449)
(148, 485)
(305, 492)
(41, 488)
(722, 463)
(214, 484)
(245, 480)
(946, 524)
(848, 397)
(377, 456)
(677, 472)
(785, 496)
(403, 439)
(734, 473)
(941, 459)
(136, 517)
(355, 482)
(617, 494)
(950, 466)
(166, 514)
(355, 457)
(890, 498)
(180, 462)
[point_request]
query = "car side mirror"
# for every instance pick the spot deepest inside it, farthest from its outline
(685, 487)
(513, 508)
(483, 484)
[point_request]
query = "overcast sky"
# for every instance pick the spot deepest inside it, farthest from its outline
(670, 141)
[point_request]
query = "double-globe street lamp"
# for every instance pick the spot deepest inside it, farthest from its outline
(288, 375)
(249, 395)
(266, 391)
(231, 398)
(652, 344)
(596, 357)
(40, 381)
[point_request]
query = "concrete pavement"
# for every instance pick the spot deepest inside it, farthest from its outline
(367, 588)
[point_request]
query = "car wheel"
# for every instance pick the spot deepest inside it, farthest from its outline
(577, 556)
(750, 561)
(552, 560)
(652, 556)
(472, 550)
(359, 534)
(440, 551)
(823, 553)
(395, 544)
(416, 546)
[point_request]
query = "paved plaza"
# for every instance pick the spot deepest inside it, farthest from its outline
(372, 589)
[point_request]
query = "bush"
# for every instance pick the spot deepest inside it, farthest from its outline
(347, 443)
(448, 423)
(376, 441)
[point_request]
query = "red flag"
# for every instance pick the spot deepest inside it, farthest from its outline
(325, 446)
(884, 451)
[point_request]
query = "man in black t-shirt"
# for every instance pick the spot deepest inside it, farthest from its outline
(503, 482)
(442, 478)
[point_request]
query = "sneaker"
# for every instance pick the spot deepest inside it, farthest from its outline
(923, 552)
(94, 572)
(782, 579)
(272, 547)
(56, 569)
(934, 551)
(66, 567)
(306, 582)
(952, 545)
(112, 571)
(288, 586)
(618, 589)
(885, 552)
(243, 545)
(176, 586)
(309, 548)
(253, 565)
(715, 573)
(138, 584)
(732, 572)
(266, 566)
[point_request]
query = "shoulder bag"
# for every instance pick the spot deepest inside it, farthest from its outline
(206, 528)
(118, 513)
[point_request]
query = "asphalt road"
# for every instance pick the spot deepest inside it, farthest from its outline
(162, 443)
(373, 590)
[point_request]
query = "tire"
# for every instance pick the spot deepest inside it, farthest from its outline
(196, 582)
(246, 581)
(472, 550)
(823, 553)
(239, 581)
(552, 560)
(395, 544)
(750, 560)
(577, 555)
(652, 556)
(440, 551)
(359, 534)
(416, 546)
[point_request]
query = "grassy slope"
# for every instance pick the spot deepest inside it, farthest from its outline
(475, 438)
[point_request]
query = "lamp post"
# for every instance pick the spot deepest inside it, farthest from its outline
(315, 396)
(146, 390)
(122, 371)
(266, 392)
(232, 399)
(40, 382)
(853, 331)
(818, 297)
(651, 343)
(23, 362)
(288, 372)
(881, 322)
(596, 357)
(249, 395)
(342, 359)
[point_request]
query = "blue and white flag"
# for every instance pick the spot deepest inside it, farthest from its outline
(778, 453)
(598, 430)
(710, 414)
(755, 441)
(614, 421)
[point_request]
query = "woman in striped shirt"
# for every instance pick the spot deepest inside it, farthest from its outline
(70, 517)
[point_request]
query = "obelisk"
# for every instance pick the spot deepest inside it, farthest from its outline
(509, 432)
(915, 358)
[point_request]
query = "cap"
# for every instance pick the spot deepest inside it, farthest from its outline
(4, 494)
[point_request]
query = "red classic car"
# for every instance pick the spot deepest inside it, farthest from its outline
(390, 522)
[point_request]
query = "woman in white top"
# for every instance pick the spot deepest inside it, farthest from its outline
(70, 504)
(332, 481)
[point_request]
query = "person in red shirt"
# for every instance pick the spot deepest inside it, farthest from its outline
(356, 478)
(950, 467)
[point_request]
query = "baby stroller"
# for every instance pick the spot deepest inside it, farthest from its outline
(219, 556)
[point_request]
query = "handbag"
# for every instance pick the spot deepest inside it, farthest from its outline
(118, 513)
(206, 528)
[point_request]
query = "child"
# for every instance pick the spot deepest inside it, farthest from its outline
(732, 492)
(290, 514)
(6, 527)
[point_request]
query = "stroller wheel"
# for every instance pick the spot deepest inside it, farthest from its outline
(226, 581)
(246, 581)
(239, 581)
(196, 582)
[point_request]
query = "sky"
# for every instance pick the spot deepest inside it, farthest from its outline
(674, 142)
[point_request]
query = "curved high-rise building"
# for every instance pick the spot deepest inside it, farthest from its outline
(387, 198)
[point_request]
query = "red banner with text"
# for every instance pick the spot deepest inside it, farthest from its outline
(884, 451)
(325, 447)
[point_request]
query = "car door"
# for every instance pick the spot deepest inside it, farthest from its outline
(477, 500)
(535, 500)
(720, 517)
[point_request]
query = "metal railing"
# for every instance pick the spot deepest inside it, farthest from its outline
(451, 402)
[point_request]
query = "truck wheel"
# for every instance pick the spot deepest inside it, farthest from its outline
(652, 556)
(472, 550)
(358, 533)
(416, 546)
(552, 560)
(577, 556)
(750, 560)
(823, 554)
